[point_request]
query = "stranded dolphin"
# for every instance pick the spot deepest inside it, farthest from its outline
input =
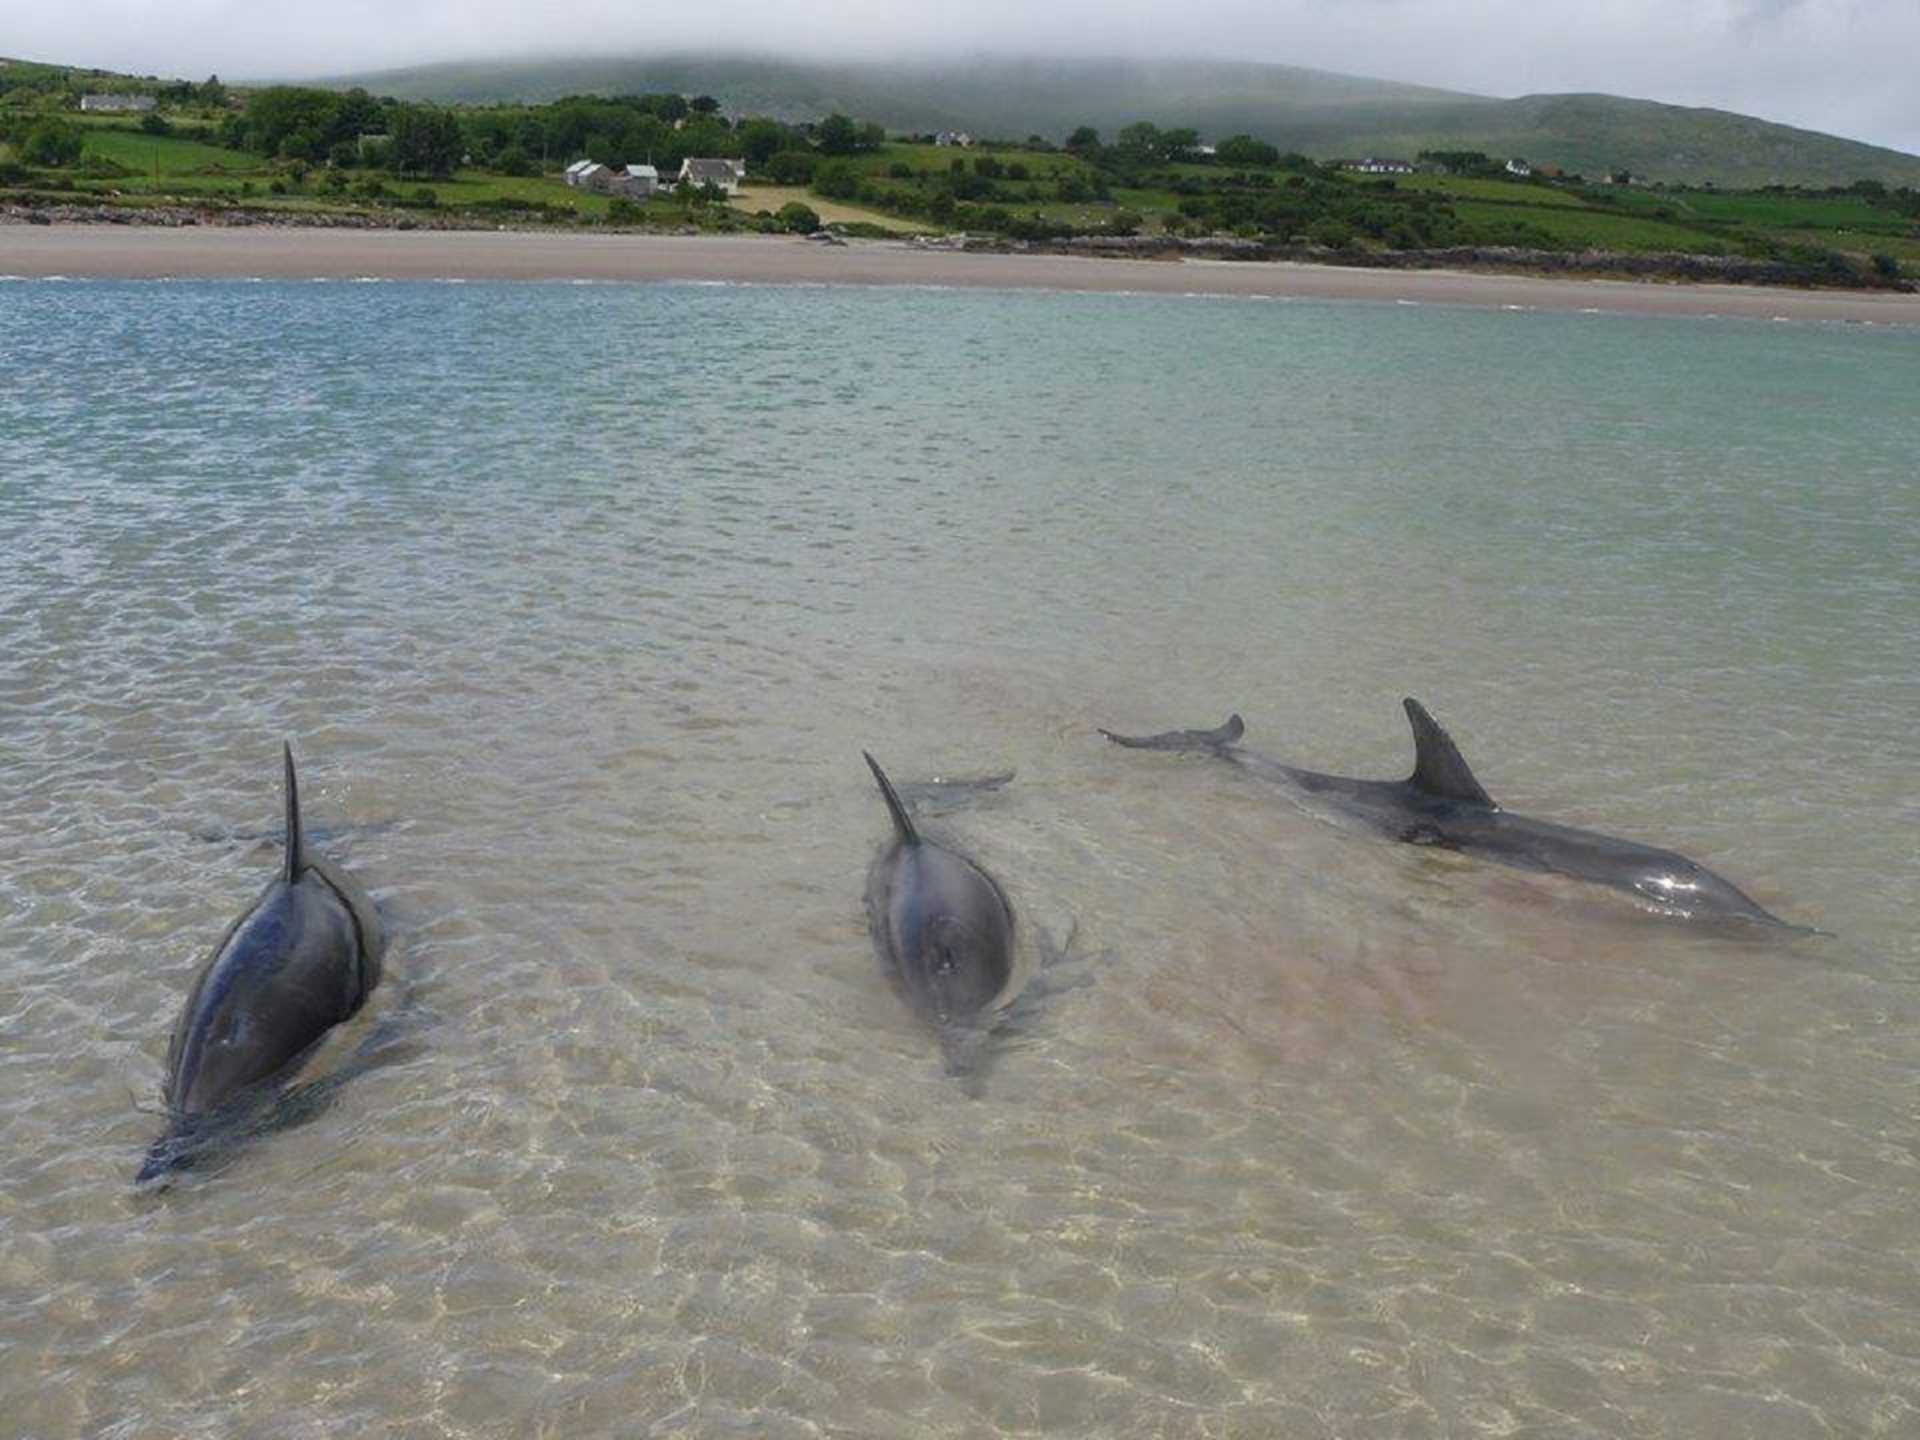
(303, 958)
(1442, 804)
(944, 929)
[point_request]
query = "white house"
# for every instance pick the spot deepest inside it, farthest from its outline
(1372, 166)
(639, 181)
(953, 137)
(1520, 168)
(723, 175)
(119, 104)
(579, 171)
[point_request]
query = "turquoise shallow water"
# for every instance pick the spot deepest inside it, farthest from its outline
(579, 602)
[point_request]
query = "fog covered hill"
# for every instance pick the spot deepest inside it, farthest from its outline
(1313, 111)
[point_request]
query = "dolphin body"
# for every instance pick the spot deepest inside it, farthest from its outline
(301, 959)
(944, 930)
(1442, 804)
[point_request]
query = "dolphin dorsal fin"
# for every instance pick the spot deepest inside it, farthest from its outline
(1438, 767)
(296, 842)
(908, 835)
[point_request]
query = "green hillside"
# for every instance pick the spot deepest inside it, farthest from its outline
(1312, 111)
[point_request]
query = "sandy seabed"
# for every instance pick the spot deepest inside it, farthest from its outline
(288, 253)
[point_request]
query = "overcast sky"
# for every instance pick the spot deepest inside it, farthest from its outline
(1849, 67)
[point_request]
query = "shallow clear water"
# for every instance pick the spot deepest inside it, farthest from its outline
(579, 603)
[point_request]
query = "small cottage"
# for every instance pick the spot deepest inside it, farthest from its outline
(118, 104)
(723, 175)
(637, 182)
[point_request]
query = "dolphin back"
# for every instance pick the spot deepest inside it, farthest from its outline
(1216, 739)
(302, 958)
(943, 928)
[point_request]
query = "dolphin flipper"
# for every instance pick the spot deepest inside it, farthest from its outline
(1214, 740)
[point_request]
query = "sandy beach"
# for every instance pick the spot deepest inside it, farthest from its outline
(135, 252)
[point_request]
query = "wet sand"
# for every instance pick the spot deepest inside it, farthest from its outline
(133, 252)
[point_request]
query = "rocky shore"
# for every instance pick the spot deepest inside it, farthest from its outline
(1573, 264)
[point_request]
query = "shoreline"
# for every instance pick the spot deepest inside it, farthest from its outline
(130, 252)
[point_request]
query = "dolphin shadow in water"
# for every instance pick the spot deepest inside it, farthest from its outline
(944, 930)
(301, 959)
(1443, 805)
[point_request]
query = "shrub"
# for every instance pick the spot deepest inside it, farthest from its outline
(797, 218)
(514, 160)
(52, 142)
(154, 123)
(1886, 266)
(835, 180)
(622, 211)
(1331, 233)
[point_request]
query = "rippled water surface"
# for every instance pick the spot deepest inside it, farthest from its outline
(579, 603)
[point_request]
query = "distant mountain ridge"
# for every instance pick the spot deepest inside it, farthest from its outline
(1317, 112)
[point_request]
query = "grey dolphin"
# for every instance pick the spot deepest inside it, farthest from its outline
(944, 929)
(301, 959)
(1442, 804)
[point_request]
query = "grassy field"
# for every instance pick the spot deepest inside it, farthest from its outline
(1592, 229)
(754, 196)
(176, 155)
(1506, 192)
(122, 164)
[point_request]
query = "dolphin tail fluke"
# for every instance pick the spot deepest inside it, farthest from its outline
(901, 823)
(1215, 739)
(296, 842)
(1439, 769)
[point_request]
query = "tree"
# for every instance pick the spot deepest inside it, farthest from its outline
(52, 142)
(1083, 139)
(1245, 150)
(297, 122)
(426, 140)
(704, 105)
(837, 135)
(791, 167)
(760, 140)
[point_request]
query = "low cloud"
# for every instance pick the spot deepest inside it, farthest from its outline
(1843, 66)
